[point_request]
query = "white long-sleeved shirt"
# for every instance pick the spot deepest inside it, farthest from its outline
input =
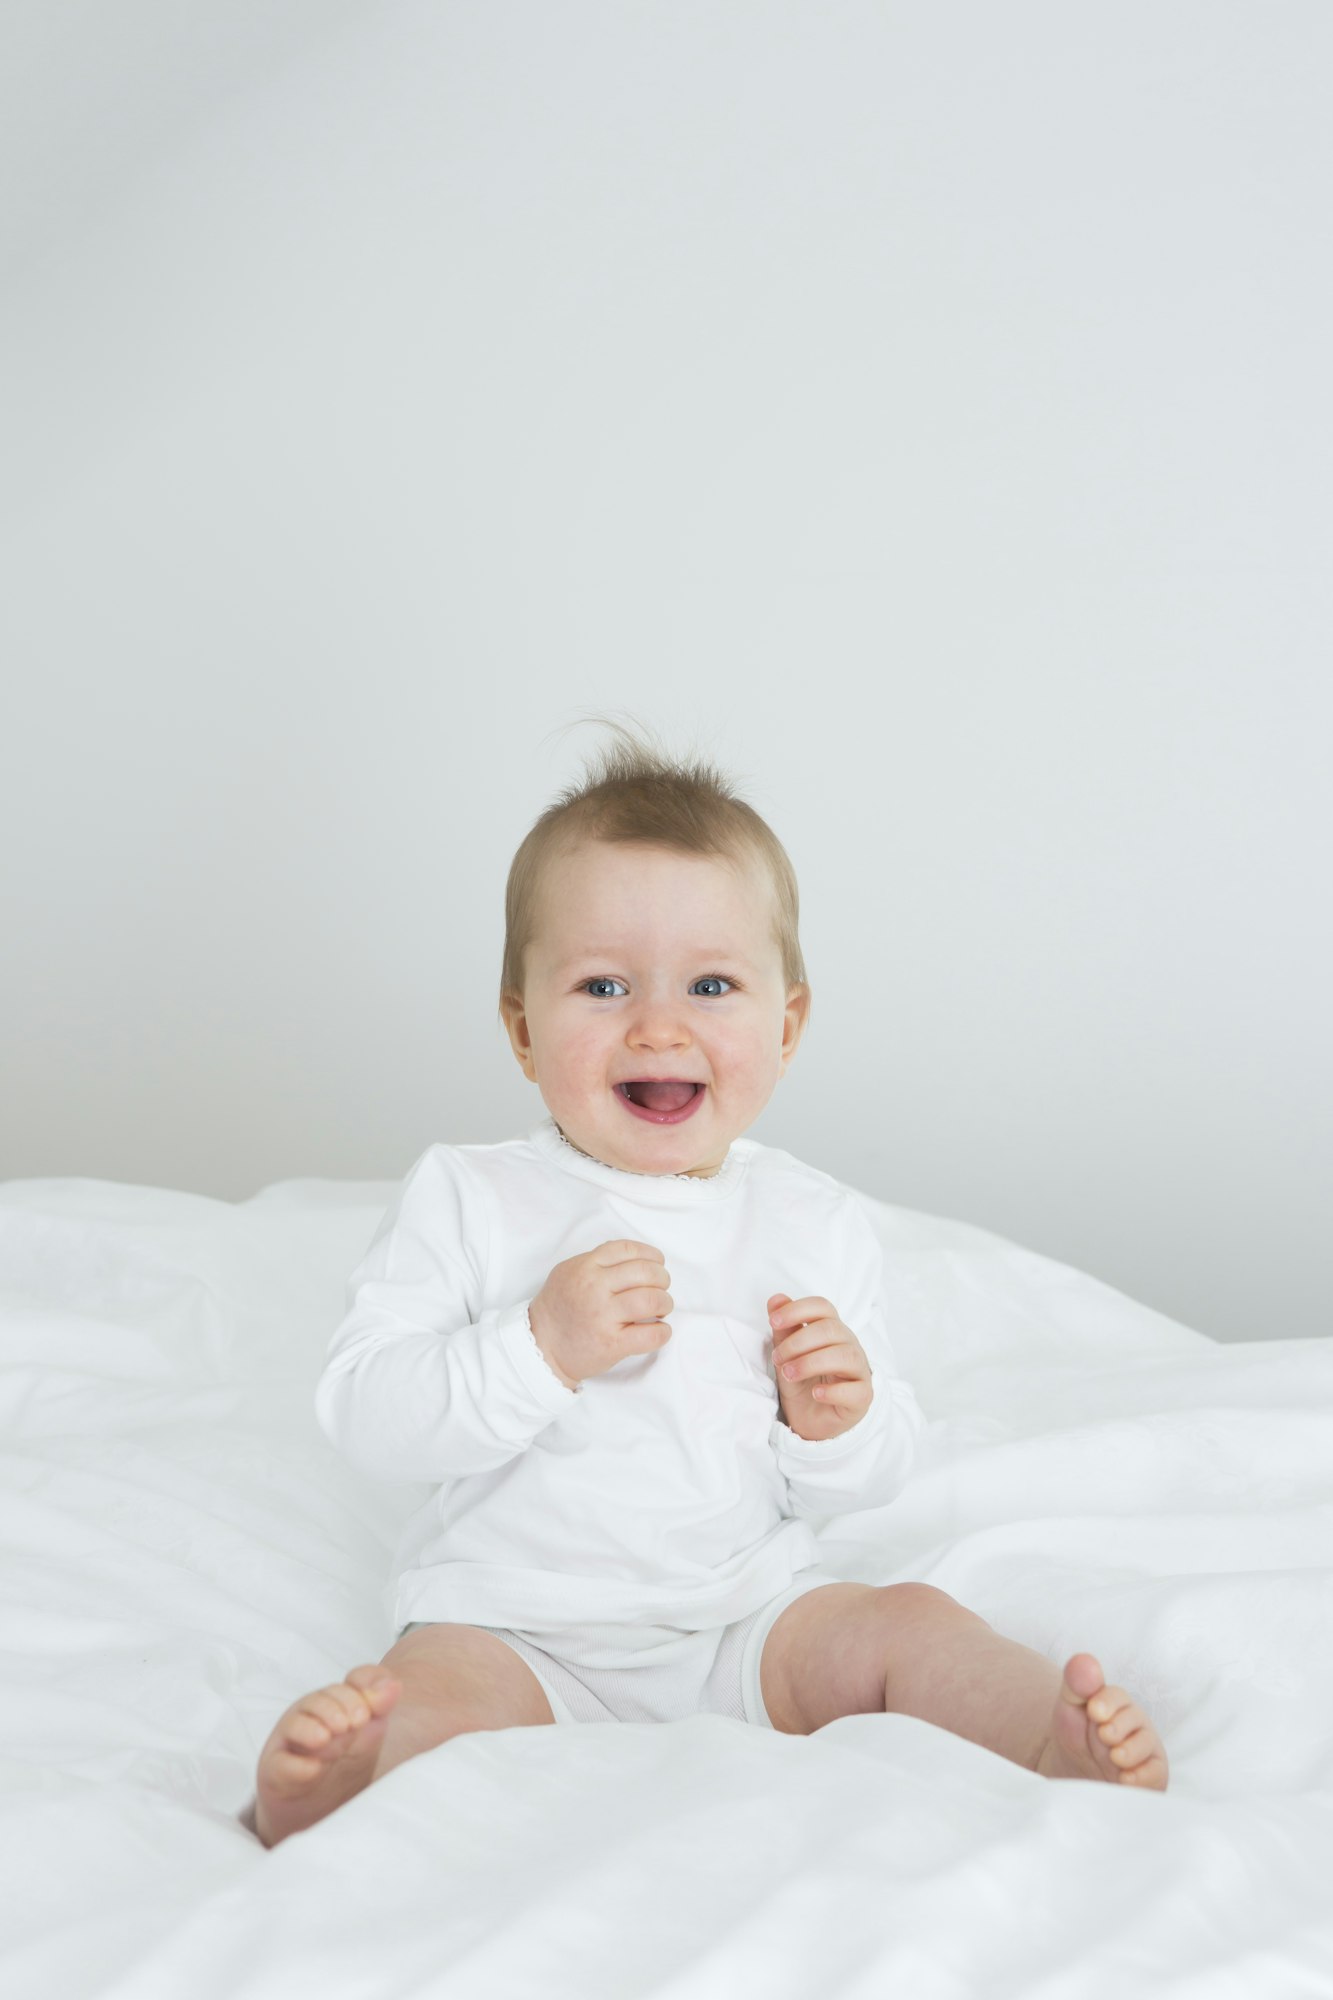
(666, 1490)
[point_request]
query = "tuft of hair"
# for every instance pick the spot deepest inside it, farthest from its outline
(635, 792)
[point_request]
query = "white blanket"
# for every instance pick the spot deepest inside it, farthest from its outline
(184, 1554)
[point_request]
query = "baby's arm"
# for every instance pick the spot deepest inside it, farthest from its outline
(419, 1384)
(868, 1464)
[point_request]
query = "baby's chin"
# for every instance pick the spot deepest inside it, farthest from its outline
(638, 1144)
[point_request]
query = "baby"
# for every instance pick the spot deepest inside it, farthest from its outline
(609, 1349)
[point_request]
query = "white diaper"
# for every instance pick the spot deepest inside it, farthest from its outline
(666, 1674)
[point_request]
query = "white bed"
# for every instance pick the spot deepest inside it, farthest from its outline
(184, 1553)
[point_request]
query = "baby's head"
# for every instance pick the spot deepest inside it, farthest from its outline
(651, 932)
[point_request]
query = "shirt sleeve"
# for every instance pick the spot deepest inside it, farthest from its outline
(868, 1465)
(418, 1382)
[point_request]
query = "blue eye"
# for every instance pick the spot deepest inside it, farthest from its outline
(718, 978)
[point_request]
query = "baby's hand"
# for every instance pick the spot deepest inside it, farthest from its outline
(822, 1370)
(595, 1309)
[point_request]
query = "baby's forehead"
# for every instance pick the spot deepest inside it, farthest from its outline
(618, 908)
(741, 950)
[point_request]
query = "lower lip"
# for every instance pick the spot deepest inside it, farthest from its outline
(664, 1117)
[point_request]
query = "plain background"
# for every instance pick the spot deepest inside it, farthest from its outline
(921, 410)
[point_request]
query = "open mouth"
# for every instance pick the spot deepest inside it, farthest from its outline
(661, 1103)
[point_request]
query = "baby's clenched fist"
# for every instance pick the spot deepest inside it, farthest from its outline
(595, 1309)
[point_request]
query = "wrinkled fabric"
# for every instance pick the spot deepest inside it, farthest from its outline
(186, 1553)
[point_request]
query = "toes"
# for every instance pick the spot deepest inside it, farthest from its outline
(306, 1732)
(377, 1684)
(327, 1709)
(338, 1708)
(1110, 1702)
(371, 1676)
(286, 1765)
(1082, 1677)
(1121, 1724)
(352, 1700)
(323, 1725)
(1135, 1749)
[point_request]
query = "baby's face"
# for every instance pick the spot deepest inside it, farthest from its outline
(650, 963)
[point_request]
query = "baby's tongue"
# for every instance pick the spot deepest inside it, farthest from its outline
(661, 1096)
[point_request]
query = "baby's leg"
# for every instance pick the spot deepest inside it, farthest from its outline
(437, 1682)
(948, 1666)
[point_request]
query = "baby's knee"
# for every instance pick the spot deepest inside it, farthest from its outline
(457, 1679)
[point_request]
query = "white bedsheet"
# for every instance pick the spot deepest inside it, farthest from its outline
(184, 1554)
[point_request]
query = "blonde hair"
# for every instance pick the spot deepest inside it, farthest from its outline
(637, 794)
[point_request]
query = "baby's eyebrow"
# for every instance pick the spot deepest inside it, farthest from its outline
(613, 951)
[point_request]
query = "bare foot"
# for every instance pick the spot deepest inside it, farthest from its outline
(321, 1753)
(1098, 1732)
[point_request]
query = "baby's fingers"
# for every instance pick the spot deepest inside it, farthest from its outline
(842, 1361)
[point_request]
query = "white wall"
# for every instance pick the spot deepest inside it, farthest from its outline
(921, 409)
